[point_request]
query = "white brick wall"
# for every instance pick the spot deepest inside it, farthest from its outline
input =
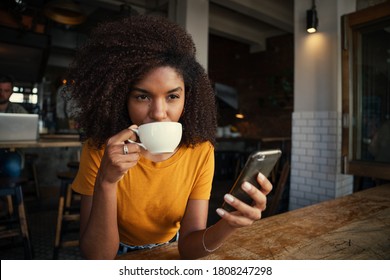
(316, 159)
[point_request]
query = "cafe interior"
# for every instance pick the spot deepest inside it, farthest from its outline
(311, 78)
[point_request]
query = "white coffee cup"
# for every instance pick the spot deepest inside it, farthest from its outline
(159, 137)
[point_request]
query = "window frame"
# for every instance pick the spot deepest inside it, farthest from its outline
(352, 24)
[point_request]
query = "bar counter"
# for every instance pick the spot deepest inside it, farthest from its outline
(356, 226)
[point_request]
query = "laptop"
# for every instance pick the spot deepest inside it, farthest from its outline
(18, 127)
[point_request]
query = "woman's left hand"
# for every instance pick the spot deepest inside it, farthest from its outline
(247, 214)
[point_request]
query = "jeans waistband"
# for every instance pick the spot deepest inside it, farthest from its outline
(124, 248)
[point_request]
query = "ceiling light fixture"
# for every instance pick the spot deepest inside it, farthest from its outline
(312, 19)
(240, 115)
(65, 12)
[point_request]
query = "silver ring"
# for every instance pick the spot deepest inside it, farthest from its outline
(125, 149)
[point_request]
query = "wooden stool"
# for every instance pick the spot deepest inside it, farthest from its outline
(11, 188)
(73, 165)
(277, 193)
(30, 164)
(68, 212)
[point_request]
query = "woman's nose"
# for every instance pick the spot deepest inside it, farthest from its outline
(158, 110)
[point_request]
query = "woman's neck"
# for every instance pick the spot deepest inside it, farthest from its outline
(157, 157)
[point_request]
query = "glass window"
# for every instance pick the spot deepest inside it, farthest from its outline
(26, 94)
(373, 131)
(366, 92)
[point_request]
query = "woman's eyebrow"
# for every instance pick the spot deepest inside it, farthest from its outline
(175, 90)
(146, 91)
(139, 89)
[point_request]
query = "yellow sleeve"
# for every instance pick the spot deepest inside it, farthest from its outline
(202, 188)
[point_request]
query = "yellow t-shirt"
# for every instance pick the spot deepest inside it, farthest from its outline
(152, 197)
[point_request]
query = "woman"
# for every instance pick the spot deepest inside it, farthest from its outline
(134, 71)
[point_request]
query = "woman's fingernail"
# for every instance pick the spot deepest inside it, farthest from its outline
(246, 186)
(229, 198)
(260, 176)
(220, 212)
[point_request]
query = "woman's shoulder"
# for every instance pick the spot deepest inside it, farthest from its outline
(90, 149)
(204, 149)
(203, 146)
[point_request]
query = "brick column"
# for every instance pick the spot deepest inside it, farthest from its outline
(315, 164)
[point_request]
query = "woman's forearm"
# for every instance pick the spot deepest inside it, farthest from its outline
(201, 243)
(100, 238)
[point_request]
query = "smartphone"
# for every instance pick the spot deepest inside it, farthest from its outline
(259, 161)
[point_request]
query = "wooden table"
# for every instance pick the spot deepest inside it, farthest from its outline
(356, 226)
(53, 152)
(45, 141)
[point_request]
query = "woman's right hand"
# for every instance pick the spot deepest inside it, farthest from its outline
(115, 162)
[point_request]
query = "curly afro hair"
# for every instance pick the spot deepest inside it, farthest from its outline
(116, 56)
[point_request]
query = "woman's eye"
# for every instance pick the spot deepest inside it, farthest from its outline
(141, 97)
(173, 96)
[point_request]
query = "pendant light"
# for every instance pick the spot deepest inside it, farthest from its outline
(312, 19)
(65, 12)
